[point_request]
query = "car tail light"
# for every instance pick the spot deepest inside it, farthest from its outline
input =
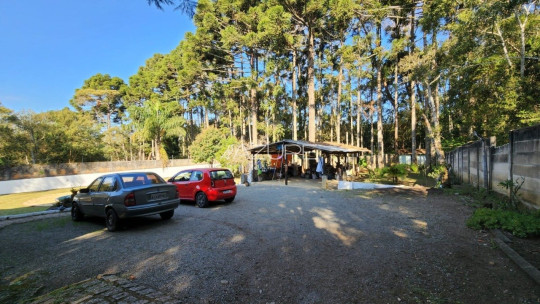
(129, 200)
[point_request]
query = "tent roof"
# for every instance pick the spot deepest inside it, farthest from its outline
(299, 146)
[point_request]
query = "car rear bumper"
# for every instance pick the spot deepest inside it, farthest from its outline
(221, 194)
(149, 209)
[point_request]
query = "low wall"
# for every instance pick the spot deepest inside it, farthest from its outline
(75, 181)
(49, 170)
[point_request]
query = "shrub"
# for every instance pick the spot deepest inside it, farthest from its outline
(396, 171)
(437, 173)
(519, 224)
(513, 187)
(414, 168)
(362, 162)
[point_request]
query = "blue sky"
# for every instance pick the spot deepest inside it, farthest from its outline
(48, 48)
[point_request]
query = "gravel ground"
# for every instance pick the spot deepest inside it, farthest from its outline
(280, 244)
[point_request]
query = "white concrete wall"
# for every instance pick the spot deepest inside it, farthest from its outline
(73, 181)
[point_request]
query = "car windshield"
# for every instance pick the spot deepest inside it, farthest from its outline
(138, 179)
(221, 174)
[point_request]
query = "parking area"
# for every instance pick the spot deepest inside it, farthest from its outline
(280, 244)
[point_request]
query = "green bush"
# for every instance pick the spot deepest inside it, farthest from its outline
(362, 162)
(437, 173)
(414, 168)
(519, 224)
(396, 171)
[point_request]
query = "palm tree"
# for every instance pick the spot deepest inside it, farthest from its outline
(158, 120)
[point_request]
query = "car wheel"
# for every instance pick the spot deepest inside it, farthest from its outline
(202, 200)
(76, 214)
(111, 220)
(229, 200)
(167, 214)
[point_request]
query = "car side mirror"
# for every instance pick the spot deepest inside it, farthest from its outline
(170, 180)
(83, 190)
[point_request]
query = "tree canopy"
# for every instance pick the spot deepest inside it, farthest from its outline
(389, 75)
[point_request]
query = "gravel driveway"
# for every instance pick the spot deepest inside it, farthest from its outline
(281, 244)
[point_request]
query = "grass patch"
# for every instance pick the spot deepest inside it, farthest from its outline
(17, 203)
(20, 289)
(519, 224)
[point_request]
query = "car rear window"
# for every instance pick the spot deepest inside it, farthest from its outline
(221, 174)
(138, 179)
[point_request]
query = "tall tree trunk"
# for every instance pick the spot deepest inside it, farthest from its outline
(522, 25)
(380, 139)
(294, 105)
(359, 129)
(432, 104)
(413, 93)
(242, 118)
(267, 129)
(351, 119)
(371, 135)
(338, 105)
(396, 112)
(332, 124)
(253, 97)
(311, 85)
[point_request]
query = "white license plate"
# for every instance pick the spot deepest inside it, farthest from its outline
(227, 191)
(158, 196)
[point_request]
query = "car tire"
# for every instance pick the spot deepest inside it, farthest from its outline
(201, 200)
(111, 220)
(229, 200)
(166, 215)
(76, 213)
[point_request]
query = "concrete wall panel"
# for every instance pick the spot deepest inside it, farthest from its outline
(72, 181)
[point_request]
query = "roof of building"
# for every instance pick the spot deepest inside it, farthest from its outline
(300, 146)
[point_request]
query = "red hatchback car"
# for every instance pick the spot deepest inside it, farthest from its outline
(204, 185)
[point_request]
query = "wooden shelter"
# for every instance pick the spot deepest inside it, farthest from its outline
(304, 156)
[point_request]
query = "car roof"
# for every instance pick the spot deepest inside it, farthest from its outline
(133, 173)
(205, 169)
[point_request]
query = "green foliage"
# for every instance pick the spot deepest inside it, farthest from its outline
(396, 171)
(234, 155)
(519, 224)
(101, 95)
(208, 144)
(414, 168)
(437, 173)
(235, 71)
(362, 162)
(513, 187)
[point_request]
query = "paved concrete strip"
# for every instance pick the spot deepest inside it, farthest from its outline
(521, 262)
(31, 214)
(107, 288)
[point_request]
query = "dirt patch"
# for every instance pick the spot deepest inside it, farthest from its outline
(528, 248)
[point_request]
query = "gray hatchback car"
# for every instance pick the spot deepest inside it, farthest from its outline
(124, 195)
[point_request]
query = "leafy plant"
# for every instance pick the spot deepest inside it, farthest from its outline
(207, 145)
(513, 187)
(414, 168)
(362, 162)
(437, 173)
(519, 224)
(396, 171)
(234, 155)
